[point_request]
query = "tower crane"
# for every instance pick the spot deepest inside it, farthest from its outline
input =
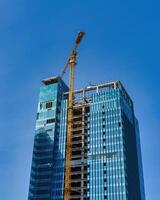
(72, 63)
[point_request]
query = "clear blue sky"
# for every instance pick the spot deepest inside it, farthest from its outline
(122, 42)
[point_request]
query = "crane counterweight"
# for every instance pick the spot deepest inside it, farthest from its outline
(79, 37)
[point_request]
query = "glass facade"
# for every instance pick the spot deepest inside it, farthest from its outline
(47, 171)
(111, 149)
(106, 179)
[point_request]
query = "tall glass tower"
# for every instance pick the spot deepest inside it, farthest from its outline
(106, 156)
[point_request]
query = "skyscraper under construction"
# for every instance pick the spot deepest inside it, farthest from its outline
(105, 149)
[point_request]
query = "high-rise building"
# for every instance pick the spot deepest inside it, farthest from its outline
(106, 155)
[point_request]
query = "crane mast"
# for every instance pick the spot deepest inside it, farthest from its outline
(72, 63)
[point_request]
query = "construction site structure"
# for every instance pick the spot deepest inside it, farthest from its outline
(86, 144)
(72, 62)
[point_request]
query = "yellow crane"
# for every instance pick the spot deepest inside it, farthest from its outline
(72, 63)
